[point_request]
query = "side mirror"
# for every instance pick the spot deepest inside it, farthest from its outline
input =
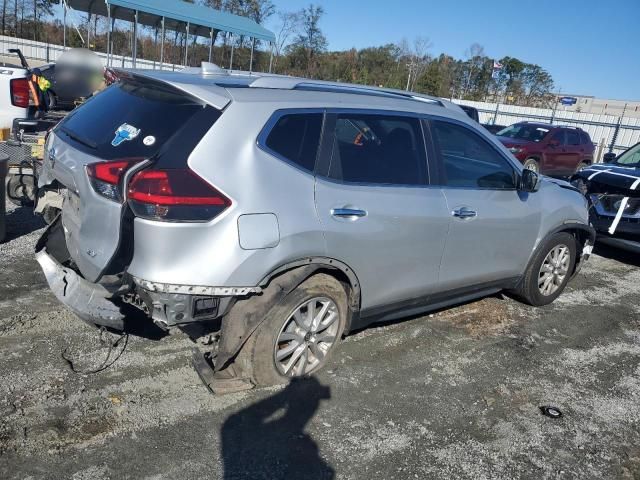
(609, 157)
(529, 181)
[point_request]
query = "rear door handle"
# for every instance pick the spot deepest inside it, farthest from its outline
(464, 212)
(348, 213)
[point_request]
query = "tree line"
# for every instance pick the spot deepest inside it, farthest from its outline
(300, 49)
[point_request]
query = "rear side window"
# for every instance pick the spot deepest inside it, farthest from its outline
(133, 118)
(573, 138)
(559, 137)
(378, 149)
(585, 139)
(296, 137)
(469, 161)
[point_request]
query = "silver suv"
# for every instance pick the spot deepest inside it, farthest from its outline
(290, 212)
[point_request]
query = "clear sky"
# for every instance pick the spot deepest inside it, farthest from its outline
(590, 47)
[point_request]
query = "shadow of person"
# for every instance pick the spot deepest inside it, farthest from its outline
(267, 439)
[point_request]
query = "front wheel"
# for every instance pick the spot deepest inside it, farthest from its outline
(298, 334)
(532, 164)
(549, 271)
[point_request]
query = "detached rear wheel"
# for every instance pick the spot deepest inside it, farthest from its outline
(298, 334)
(549, 271)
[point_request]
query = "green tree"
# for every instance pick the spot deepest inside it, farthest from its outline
(310, 42)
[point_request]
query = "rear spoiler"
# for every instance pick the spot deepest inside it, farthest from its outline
(196, 86)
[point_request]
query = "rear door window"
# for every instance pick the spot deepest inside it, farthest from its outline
(133, 118)
(559, 137)
(470, 161)
(296, 137)
(573, 138)
(585, 139)
(378, 149)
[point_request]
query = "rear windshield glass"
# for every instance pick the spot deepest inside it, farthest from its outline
(129, 119)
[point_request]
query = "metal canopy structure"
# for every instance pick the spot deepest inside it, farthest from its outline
(175, 15)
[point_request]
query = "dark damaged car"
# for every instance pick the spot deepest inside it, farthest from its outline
(291, 212)
(613, 192)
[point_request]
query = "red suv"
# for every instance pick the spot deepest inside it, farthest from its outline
(547, 149)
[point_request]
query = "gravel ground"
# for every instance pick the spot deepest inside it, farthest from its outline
(449, 395)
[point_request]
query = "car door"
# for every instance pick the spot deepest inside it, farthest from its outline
(554, 154)
(378, 213)
(494, 226)
(573, 153)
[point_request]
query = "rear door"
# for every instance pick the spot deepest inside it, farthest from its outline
(493, 225)
(574, 152)
(379, 214)
(129, 123)
(555, 152)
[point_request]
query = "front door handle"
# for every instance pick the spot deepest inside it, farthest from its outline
(348, 213)
(464, 212)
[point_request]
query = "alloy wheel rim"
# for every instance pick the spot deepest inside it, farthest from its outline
(532, 166)
(306, 337)
(554, 270)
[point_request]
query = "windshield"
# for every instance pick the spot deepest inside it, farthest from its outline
(532, 133)
(630, 158)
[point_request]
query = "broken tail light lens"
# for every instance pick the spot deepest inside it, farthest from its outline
(106, 177)
(174, 195)
(19, 88)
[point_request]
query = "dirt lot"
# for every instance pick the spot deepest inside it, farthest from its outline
(450, 395)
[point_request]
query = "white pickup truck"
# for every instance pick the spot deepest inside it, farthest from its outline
(14, 93)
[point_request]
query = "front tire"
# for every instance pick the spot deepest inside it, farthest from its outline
(298, 334)
(549, 271)
(532, 164)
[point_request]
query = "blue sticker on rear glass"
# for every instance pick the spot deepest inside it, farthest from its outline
(125, 132)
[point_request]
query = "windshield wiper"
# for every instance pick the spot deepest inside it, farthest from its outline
(78, 138)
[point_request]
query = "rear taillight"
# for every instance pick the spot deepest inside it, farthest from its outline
(174, 195)
(106, 177)
(19, 88)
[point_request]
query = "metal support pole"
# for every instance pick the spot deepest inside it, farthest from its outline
(155, 41)
(134, 48)
(271, 57)
(253, 44)
(113, 26)
(162, 46)
(210, 44)
(186, 47)
(231, 61)
(108, 35)
(64, 25)
(495, 114)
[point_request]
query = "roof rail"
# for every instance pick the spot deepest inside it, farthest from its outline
(293, 83)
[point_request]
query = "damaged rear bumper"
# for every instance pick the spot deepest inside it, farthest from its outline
(89, 301)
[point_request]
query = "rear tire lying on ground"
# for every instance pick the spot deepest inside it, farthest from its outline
(549, 271)
(298, 334)
(21, 190)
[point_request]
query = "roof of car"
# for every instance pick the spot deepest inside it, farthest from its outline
(549, 126)
(211, 82)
